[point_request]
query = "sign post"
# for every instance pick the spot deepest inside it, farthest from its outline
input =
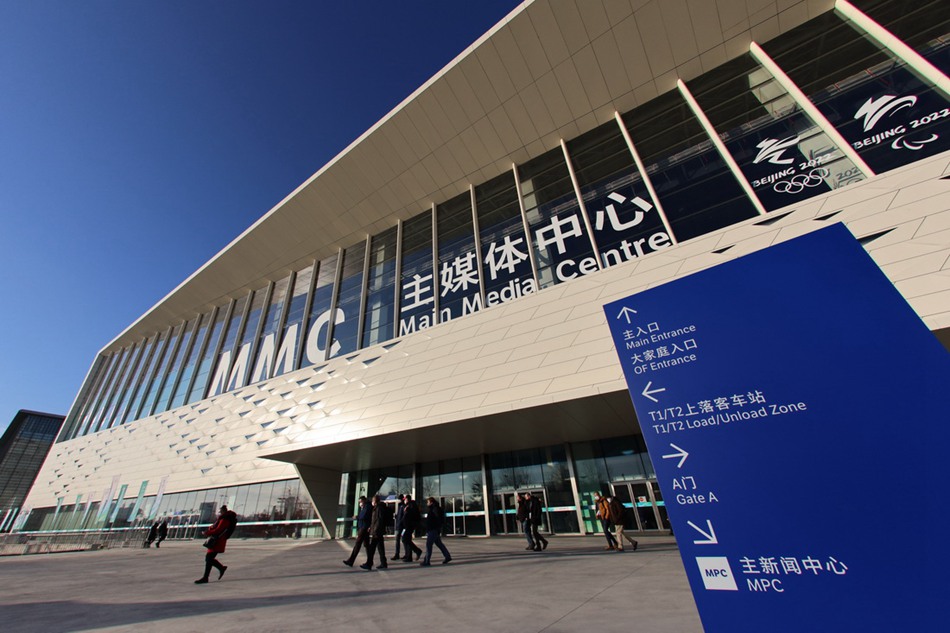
(796, 410)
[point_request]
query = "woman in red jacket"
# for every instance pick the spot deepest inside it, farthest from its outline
(218, 539)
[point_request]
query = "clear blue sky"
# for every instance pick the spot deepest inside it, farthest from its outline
(139, 138)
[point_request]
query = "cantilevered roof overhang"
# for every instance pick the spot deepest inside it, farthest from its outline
(583, 419)
(547, 71)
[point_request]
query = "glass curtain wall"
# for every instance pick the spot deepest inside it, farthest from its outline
(203, 371)
(698, 192)
(924, 25)
(266, 349)
(558, 230)
(318, 328)
(135, 387)
(416, 287)
(784, 156)
(174, 370)
(292, 332)
(624, 217)
(379, 320)
(346, 318)
(507, 272)
(122, 386)
(188, 369)
(888, 114)
(241, 368)
(459, 290)
(108, 388)
(222, 367)
(136, 411)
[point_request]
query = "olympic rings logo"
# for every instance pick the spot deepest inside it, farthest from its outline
(797, 184)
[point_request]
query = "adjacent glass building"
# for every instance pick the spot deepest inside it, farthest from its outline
(23, 447)
(425, 320)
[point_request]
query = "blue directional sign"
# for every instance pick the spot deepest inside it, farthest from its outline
(797, 412)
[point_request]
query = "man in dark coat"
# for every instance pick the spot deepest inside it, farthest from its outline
(410, 520)
(400, 524)
(218, 535)
(522, 516)
(533, 505)
(363, 516)
(434, 520)
(162, 533)
(377, 531)
(151, 536)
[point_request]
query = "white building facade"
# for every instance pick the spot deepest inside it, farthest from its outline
(423, 315)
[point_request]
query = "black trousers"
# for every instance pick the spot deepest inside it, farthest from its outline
(376, 544)
(362, 537)
(408, 545)
(210, 561)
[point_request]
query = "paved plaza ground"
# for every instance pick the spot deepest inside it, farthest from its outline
(280, 586)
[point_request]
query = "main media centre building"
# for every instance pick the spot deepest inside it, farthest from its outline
(424, 314)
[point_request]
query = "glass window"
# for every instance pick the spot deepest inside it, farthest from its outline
(220, 380)
(109, 392)
(155, 387)
(241, 368)
(459, 290)
(127, 409)
(318, 325)
(557, 226)
(121, 402)
(380, 289)
(292, 332)
(924, 25)
(417, 292)
(267, 344)
(698, 192)
(784, 156)
(346, 320)
(137, 411)
(174, 370)
(626, 222)
(107, 365)
(211, 349)
(890, 117)
(507, 271)
(188, 371)
(74, 421)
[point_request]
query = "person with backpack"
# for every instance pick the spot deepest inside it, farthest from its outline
(218, 535)
(615, 511)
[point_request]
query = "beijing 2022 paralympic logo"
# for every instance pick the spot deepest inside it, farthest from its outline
(873, 111)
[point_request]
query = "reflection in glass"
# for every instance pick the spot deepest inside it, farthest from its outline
(379, 320)
(506, 263)
(346, 319)
(459, 291)
(558, 230)
(626, 222)
(698, 192)
(416, 287)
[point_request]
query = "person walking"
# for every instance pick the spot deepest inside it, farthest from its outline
(522, 516)
(434, 520)
(162, 533)
(363, 516)
(218, 535)
(533, 506)
(152, 535)
(400, 514)
(411, 520)
(377, 531)
(603, 514)
(616, 510)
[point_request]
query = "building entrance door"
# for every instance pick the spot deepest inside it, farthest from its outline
(504, 516)
(454, 509)
(646, 501)
(505, 511)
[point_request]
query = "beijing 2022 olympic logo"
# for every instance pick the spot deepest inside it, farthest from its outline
(799, 182)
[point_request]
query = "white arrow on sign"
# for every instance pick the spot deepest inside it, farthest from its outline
(681, 454)
(625, 312)
(710, 536)
(649, 394)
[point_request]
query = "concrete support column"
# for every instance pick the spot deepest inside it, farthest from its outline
(323, 486)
